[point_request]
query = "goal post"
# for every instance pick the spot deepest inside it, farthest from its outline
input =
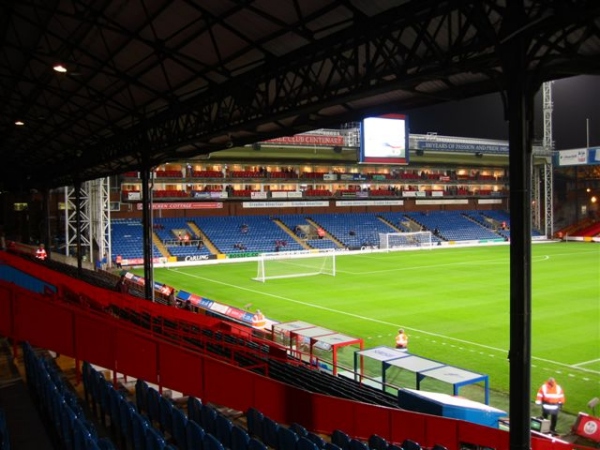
(405, 241)
(295, 264)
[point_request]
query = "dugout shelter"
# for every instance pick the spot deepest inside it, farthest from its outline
(422, 367)
(304, 338)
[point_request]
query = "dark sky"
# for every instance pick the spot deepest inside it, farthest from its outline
(575, 100)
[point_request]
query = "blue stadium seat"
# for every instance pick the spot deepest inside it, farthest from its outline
(179, 429)
(298, 429)
(194, 406)
(341, 439)
(195, 435)
(409, 444)
(316, 439)
(154, 440)
(140, 425)
(126, 420)
(270, 430)
(376, 442)
(166, 415)
(255, 423)
(286, 439)
(211, 443)
(208, 417)
(223, 430)
(255, 444)
(239, 438)
(153, 401)
(305, 444)
(331, 446)
(355, 444)
(141, 395)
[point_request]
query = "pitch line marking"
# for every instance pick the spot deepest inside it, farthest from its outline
(382, 322)
(436, 266)
(584, 363)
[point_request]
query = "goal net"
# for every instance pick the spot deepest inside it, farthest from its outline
(405, 241)
(295, 264)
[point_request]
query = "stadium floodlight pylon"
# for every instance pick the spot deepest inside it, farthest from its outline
(405, 241)
(295, 264)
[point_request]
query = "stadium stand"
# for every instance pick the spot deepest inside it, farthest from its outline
(252, 233)
(127, 239)
(452, 225)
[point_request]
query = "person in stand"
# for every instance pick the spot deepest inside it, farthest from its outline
(401, 339)
(119, 261)
(172, 299)
(121, 285)
(259, 320)
(40, 253)
(551, 396)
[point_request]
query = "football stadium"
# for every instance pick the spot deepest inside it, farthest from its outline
(220, 233)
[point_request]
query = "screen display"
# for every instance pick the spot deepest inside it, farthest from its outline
(384, 140)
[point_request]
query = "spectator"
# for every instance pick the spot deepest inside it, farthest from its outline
(121, 285)
(320, 232)
(259, 320)
(172, 299)
(401, 339)
(551, 396)
(40, 253)
(119, 262)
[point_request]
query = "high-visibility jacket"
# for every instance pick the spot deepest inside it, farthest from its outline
(550, 396)
(119, 259)
(41, 254)
(401, 340)
(259, 320)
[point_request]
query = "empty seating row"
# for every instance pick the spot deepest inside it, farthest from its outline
(131, 428)
(60, 405)
(4, 441)
(296, 437)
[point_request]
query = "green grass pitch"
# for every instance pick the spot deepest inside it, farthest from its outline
(454, 304)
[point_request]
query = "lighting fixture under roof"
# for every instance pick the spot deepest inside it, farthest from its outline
(60, 68)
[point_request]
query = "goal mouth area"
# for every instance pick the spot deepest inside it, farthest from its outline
(402, 241)
(294, 264)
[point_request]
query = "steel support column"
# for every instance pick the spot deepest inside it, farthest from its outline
(147, 237)
(520, 90)
(548, 199)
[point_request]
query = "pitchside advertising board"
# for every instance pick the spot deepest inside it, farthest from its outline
(577, 157)
(384, 140)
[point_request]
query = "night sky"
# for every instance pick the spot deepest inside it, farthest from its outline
(575, 100)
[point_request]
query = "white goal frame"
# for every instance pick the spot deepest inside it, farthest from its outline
(405, 241)
(295, 264)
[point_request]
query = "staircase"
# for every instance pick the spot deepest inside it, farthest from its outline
(328, 235)
(390, 224)
(285, 228)
(159, 244)
(207, 242)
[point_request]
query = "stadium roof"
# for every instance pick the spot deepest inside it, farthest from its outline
(149, 81)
